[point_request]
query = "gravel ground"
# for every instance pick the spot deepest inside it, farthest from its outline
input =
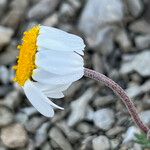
(117, 34)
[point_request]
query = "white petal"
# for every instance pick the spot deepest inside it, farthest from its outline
(59, 62)
(56, 39)
(36, 99)
(50, 78)
(54, 94)
(80, 52)
(52, 87)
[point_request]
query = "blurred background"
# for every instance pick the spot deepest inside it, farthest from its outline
(117, 34)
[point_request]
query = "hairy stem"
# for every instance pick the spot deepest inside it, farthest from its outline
(122, 95)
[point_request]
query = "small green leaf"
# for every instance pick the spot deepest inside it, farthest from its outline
(142, 139)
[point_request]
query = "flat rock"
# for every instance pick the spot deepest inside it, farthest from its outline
(34, 123)
(130, 134)
(123, 39)
(6, 116)
(3, 4)
(102, 101)
(56, 135)
(104, 118)
(73, 89)
(71, 134)
(29, 111)
(46, 146)
(15, 13)
(114, 143)
(5, 35)
(145, 116)
(80, 104)
(107, 11)
(9, 55)
(4, 74)
(21, 118)
(142, 41)
(41, 134)
(98, 64)
(12, 100)
(137, 146)
(135, 7)
(2, 147)
(84, 128)
(51, 20)
(66, 11)
(140, 26)
(138, 63)
(115, 131)
(17, 4)
(101, 143)
(104, 40)
(4, 90)
(37, 11)
(134, 90)
(146, 103)
(14, 136)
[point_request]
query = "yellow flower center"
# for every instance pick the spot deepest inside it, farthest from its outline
(26, 59)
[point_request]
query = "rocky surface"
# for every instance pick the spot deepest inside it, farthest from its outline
(117, 35)
(56, 135)
(101, 142)
(14, 136)
(6, 116)
(104, 118)
(5, 35)
(138, 63)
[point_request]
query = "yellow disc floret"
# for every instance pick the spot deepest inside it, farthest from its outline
(26, 59)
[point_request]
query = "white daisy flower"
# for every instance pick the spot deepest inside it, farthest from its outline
(49, 61)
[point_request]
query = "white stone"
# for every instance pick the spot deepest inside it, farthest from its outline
(96, 15)
(5, 35)
(142, 41)
(101, 143)
(56, 135)
(42, 8)
(14, 136)
(104, 118)
(4, 74)
(139, 63)
(145, 116)
(134, 90)
(123, 40)
(135, 7)
(79, 107)
(130, 134)
(6, 116)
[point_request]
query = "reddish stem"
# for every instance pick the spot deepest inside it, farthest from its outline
(121, 93)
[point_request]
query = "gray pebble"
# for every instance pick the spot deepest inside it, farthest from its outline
(142, 41)
(56, 135)
(5, 35)
(14, 136)
(145, 116)
(135, 7)
(106, 12)
(101, 143)
(104, 118)
(140, 26)
(138, 64)
(6, 116)
(37, 11)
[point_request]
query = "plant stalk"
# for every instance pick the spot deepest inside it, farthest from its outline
(121, 94)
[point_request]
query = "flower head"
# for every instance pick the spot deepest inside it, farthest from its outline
(49, 61)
